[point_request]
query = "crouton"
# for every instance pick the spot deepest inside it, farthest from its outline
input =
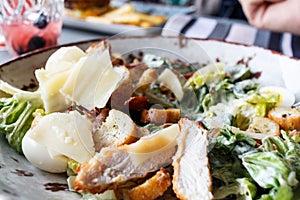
(118, 129)
(160, 116)
(264, 125)
(152, 188)
(287, 118)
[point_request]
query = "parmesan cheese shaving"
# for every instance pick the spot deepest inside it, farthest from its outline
(49, 86)
(53, 77)
(63, 59)
(68, 134)
(151, 145)
(93, 82)
(171, 81)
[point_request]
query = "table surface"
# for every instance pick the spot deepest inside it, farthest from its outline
(68, 35)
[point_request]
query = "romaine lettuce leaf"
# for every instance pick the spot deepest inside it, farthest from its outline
(241, 188)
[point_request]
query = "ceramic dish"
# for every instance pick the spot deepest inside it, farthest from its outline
(20, 180)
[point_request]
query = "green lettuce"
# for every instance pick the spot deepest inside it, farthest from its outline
(276, 167)
(206, 76)
(254, 105)
(268, 169)
(72, 167)
(16, 116)
(228, 173)
(287, 148)
(241, 188)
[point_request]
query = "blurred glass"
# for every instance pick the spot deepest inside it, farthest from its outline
(28, 25)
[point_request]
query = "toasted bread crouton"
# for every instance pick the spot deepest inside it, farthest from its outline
(160, 116)
(287, 118)
(152, 188)
(118, 129)
(264, 125)
(191, 178)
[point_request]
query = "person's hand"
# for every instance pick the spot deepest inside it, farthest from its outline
(275, 15)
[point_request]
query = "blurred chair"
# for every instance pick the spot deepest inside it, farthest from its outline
(207, 7)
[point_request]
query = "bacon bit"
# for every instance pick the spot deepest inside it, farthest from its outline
(255, 75)
(118, 61)
(188, 75)
(137, 103)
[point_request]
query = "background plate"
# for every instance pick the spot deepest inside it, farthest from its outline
(149, 8)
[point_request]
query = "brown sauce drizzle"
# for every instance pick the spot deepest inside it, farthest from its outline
(14, 159)
(9, 192)
(55, 187)
(22, 173)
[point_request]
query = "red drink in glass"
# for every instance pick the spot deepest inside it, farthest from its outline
(32, 25)
(22, 38)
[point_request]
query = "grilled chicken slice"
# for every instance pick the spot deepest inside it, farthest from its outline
(115, 165)
(191, 179)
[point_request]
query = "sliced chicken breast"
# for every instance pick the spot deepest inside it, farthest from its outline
(191, 179)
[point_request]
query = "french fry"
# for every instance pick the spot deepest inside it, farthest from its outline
(115, 16)
(121, 11)
(127, 15)
(151, 19)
